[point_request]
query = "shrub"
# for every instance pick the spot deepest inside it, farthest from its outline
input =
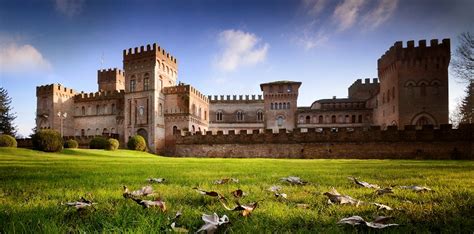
(113, 144)
(98, 143)
(47, 140)
(7, 141)
(71, 144)
(137, 142)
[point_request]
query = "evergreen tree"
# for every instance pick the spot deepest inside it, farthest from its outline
(6, 115)
(466, 108)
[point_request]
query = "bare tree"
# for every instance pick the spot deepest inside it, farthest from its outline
(462, 64)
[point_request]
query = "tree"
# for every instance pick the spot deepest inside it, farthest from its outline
(6, 115)
(466, 107)
(463, 59)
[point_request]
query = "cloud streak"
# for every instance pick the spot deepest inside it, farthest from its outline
(16, 58)
(347, 12)
(69, 8)
(380, 14)
(239, 49)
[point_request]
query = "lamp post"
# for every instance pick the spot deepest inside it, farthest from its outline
(62, 116)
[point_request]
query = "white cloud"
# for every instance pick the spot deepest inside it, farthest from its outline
(21, 58)
(309, 39)
(381, 13)
(347, 12)
(240, 49)
(314, 7)
(69, 8)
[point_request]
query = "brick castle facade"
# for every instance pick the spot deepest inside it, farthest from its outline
(145, 98)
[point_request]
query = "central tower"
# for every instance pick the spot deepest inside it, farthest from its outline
(147, 71)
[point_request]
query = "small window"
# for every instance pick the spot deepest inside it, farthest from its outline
(360, 118)
(280, 121)
(97, 110)
(320, 119)
(219, 116)
(288, 105)
(259, 115)
(240, 116)
(132, 85)
(160, 110)
(83, 112)
(146, 83)
(279, 106)
(333, 119)
(289, 89)
(113, 108)
(308, 119)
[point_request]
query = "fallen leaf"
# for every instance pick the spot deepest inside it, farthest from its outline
(416, 188)
(363, 183)
(238, 193)
(145, 191)
(381, 206)
(212, 222)
(357, 220)
(384, 191)
(208, 193)
(294, 180)
(226, 180)
(150, 203)
(335, 197)
(155, 180)
(246, 209)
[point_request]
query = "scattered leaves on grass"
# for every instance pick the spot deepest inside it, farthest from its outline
(277, 193)
(151, 203)
(416, 188)
(226, 180)
(357, 220)
(363, 183)
(81, 204)
(294, 180)
(156, 180)
(212, 222)
(173, 224)
(335, 197)
(238, 193)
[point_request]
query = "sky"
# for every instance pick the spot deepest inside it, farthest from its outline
(223, 46)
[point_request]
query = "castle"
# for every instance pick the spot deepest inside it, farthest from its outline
(144, 98)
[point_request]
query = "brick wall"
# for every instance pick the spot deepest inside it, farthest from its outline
(427, 143)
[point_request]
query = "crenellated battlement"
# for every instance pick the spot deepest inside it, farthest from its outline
(110, 72)
(372, 134)
(153, 50)
(367, 81)
(101, 95)
(412, 55)
(54, 88)
(234, 98)
(182, 88)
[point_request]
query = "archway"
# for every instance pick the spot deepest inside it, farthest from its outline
(423, 119)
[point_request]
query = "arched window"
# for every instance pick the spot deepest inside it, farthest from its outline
(113, 109)
(347, 120)
(341, 119)
(320, 119)
(271, 106)
(288, 105)
(193, 109)
(308, 119)
(97, 110)
(279, 106)
(83, 111)
(97, 131)
(200, 113)
(132, 84)
(219, 115)
(205, 115)
(160, 109)
(89, 132)
(105, 131)
(333, 119)
(284, 105)
(193, 128)
(175, 130)
(240, 116)
(259, 115)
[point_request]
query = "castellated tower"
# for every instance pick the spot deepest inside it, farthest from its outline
(52, 99)
(280, 104)
(413, 84)
(147, 71)
(111, 79)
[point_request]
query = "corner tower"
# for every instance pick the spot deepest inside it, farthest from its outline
(111, 79)
(413, 84)
(280, 104)
(147, 71)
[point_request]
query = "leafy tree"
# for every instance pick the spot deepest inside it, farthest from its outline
(462, 63)
(6, 115)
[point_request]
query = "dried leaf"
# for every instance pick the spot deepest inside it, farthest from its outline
(149, 203)
(246, 209)
(276, 192)
(155, 180)
(384, 191)
(80, 204)
(178, 229)
(363, 183)
(382, 219)
(208, 193)
(226, 180)
(212, 222)
(416, 188)
(145, 191)
(381, 206)
(274, 188)
(357, 220)
(335, 197)
(238, 193)
(294, 180)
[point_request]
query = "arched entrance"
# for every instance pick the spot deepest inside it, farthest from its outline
(142, 132)
(423, 119)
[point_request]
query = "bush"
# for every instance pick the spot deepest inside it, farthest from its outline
(113, 144)
(47, 140)
(98, 143)
(137, 142)
(7, 141)
(71, 144)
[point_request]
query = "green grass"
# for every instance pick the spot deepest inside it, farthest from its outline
(34, 184)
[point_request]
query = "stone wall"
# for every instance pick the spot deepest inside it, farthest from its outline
(427, 143)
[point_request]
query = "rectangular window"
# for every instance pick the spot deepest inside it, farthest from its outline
(146, 84)
(132, 85)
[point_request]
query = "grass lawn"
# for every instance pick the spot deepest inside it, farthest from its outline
(34, 184)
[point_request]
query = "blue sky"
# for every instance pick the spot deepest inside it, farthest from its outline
(223, 47)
